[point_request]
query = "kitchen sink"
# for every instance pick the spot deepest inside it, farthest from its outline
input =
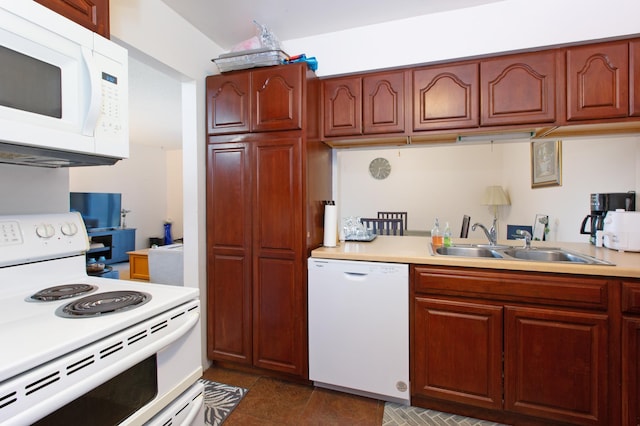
(468, 251)
(547, 255)
(534, 254)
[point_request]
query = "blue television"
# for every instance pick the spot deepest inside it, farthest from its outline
(99, 210)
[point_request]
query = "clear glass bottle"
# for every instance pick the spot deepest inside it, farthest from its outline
(436, 235)
(447, 236)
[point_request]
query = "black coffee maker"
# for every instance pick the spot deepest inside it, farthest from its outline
(601, 203)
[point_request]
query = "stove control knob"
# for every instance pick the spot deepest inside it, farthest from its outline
(45, 230)
(69, 229)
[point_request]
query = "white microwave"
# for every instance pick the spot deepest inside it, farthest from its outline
(63, 90)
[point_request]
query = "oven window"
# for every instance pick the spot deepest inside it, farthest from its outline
(29, 84)
(113, 401)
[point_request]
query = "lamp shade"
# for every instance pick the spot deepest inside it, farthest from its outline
(495, 196)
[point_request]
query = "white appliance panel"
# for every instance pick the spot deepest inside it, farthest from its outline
(359, 327)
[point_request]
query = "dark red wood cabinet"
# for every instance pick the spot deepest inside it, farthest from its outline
(458, 351)
(91, 14)
(634, 78)
(255, 101)
(264, 215)
(364, 105)
(598, 81)
(446, 97)
(517, 347)
(520, 89)
(630, 353)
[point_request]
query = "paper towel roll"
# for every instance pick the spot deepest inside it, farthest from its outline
(330, 226)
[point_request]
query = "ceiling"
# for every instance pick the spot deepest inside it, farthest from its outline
(229, 22)
(155, 96)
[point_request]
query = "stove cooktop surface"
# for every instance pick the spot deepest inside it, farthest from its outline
(32, 333)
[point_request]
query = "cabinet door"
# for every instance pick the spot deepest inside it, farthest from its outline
(518, 89)
(598, 81)
(124, 240)
(91, 14)
(342, 99)
(229, 253)
(279, 295)
(277, 95)
(556, 365)
(630, 371)
(228, 103)
(383, 103)
(445, 97)
(634, 78)
(457, 352)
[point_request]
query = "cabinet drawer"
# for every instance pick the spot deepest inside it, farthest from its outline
(631, 297)
(583, 292)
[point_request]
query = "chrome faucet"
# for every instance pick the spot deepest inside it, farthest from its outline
(527, 237)
(491, 233)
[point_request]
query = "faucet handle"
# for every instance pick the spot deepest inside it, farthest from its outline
(527, 237)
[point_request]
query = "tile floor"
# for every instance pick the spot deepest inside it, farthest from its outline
(275, 402)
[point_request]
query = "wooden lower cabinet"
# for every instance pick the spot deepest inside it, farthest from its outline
(458, 351)
(630, 371)
(556, 364)
(519, 348)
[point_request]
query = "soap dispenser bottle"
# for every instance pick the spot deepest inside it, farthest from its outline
(436, 235)
(447, 236)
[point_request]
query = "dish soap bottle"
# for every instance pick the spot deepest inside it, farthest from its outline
(447, 236)
(436, 236)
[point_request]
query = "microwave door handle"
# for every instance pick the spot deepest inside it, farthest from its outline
(95, 93)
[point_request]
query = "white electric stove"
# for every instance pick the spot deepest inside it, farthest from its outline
(70, 339)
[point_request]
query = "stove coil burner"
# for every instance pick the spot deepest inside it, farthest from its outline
(61, 292)
(98, 304)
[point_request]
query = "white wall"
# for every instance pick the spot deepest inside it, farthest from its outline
(496, 27)
(155, 30)
(28, 190)
(143, 181)
(449, 181)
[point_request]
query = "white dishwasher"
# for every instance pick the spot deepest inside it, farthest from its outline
(359, 328)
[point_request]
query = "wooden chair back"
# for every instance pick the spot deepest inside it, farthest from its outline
(382, 226)
(394, 215)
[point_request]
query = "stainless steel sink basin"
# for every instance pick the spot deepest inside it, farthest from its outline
(535, 254)
(551, 255)
(468, 251)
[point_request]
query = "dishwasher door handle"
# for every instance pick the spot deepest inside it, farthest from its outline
(356, 276)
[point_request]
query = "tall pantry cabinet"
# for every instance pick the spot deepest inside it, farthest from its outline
(267, 174)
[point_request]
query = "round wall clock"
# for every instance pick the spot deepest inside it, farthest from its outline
(380, 168)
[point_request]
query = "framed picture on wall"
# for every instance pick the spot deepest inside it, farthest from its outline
(546, 163)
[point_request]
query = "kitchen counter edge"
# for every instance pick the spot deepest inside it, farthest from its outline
(414, 250)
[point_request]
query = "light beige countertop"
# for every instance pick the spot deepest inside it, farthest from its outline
(414, 249)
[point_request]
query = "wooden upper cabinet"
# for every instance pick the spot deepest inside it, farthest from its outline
(383, 103)
(277, 98)
(261, 100)
(342, 106)
(598, 81)
(445, 97)
(634, 78)
(519, 89)
(364, 105)
(228, 103)
(91, 14)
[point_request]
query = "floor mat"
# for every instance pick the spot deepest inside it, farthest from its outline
(402, 415)
(219, 401)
